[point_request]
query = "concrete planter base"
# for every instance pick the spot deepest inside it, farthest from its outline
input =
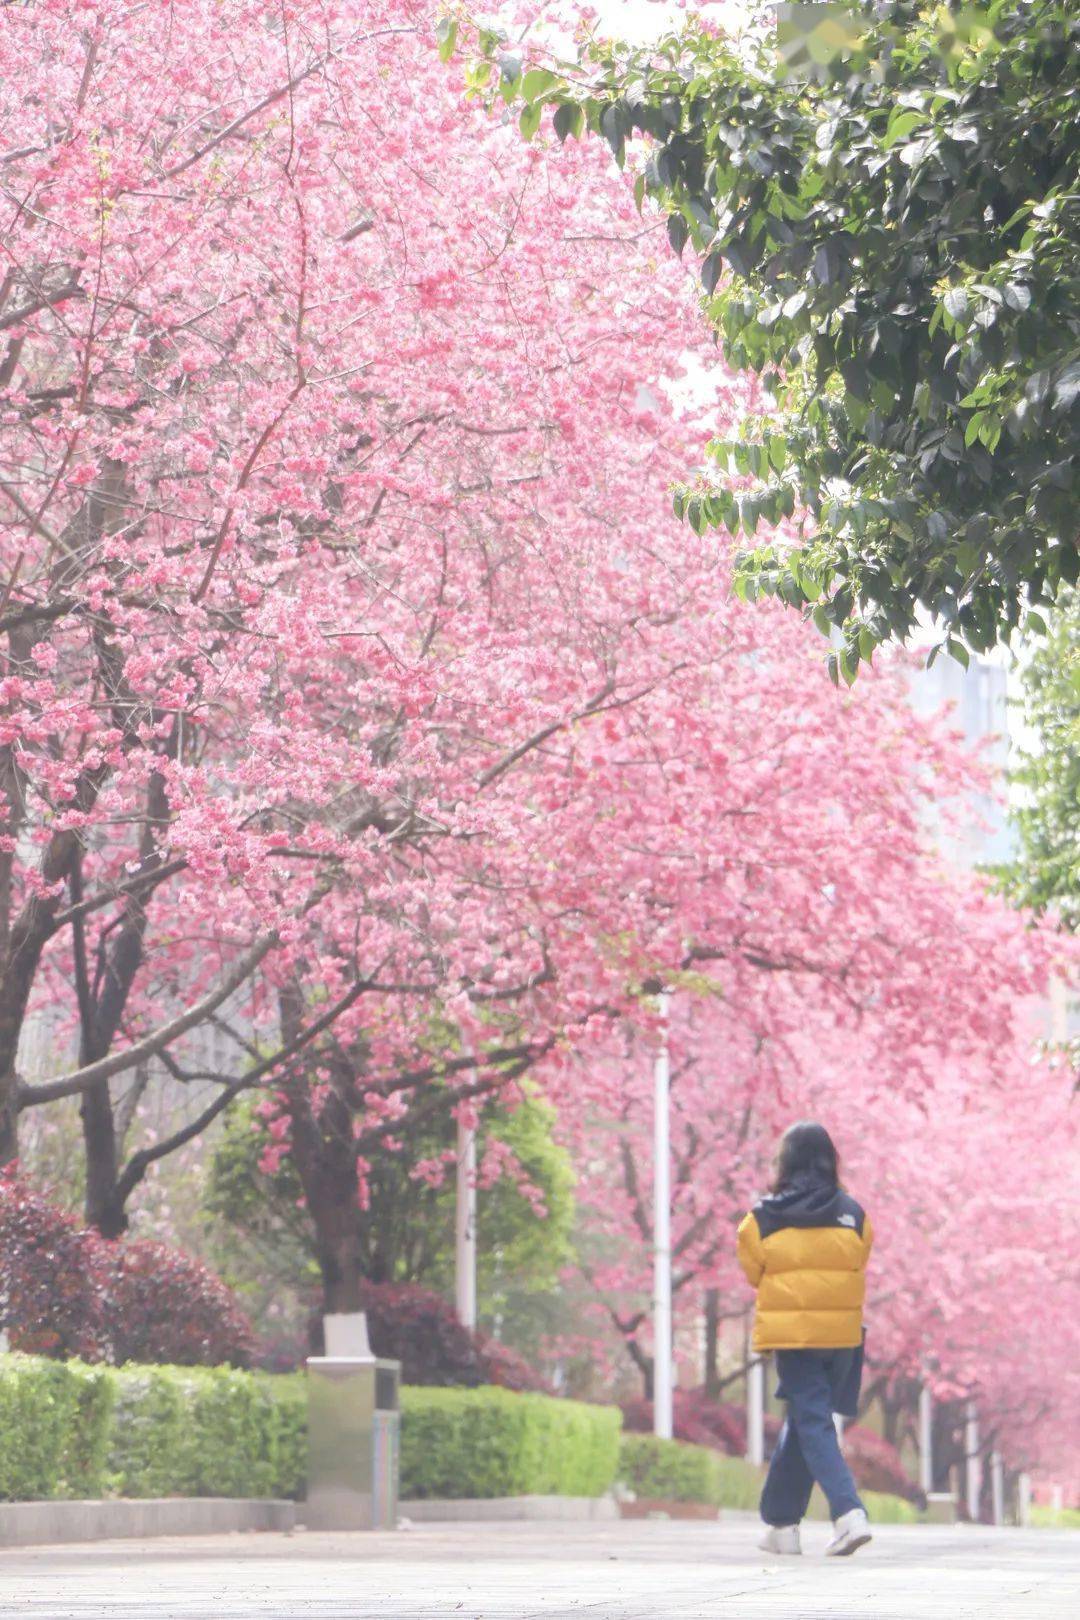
(434, 1510)
(647, 1507)
(29, 1524)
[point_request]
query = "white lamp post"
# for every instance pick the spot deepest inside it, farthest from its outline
(997, 1486)
(926, 1439)
(662, 1388)
(974, 1462)
(465, 1226)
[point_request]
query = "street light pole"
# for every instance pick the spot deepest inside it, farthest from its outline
(465, 1226)
(926, 1439)
(662, 1390)
(973, 1461)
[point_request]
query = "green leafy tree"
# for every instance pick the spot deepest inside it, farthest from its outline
(1047, 873)
(890, 240)
(264, 1241)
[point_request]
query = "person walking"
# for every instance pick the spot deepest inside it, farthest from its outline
(804, 1248)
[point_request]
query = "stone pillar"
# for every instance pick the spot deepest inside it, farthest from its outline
(353, 1432)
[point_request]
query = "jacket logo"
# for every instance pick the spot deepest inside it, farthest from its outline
(845, 1220)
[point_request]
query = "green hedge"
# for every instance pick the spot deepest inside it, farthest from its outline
(68, 1430)
(1049, 1518)
(207, 1431)
(55, 1419)
(491, 1442)
(673, 1471)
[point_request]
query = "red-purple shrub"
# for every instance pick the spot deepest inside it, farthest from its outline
(167, 1307)
(877, 1465)
(697, 1418)
(52, 1279)
(509, 1368)
(420, 1329)
(66, 1292)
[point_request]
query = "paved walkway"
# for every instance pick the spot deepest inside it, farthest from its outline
(623, 1571)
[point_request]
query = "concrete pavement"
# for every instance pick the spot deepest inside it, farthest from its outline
(623, 1571)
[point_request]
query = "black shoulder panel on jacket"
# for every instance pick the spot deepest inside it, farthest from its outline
(813, 1205)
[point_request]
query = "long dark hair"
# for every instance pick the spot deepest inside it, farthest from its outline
(806, 1149)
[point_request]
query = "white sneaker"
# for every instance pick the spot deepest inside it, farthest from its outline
(784, 1540)
(852, 1531)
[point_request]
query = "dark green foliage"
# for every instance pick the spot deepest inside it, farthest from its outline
(264, 1241)
(893, 246)
(1047, 873)
(492, 1442)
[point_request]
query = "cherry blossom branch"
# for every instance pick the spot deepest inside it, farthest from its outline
(70, 1085)
(140, 1162)
(274, 96)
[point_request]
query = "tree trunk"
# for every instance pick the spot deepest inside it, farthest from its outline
(324, 1155)
(645, 1366)
(102, 1006)
(104, 1210)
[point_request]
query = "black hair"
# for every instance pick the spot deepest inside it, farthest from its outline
(806, 1149)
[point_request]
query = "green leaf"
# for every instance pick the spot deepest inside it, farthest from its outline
(569, 120)
(955, 303)
(901, 124)
(529, 122)
(678, 231)
(536, 82)
(446, 33)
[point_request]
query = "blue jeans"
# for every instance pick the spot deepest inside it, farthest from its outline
(815, 1384)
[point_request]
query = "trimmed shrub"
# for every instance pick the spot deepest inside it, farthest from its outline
(677, 1471)
(165, 1307)
(207, 1431)
(696, 1418)
(1051, 1518)
(885, 1508)
(67, 1292)
(674, 1471)
(148, 1434)
(422, 1330)
(71, 1430)
(54, 1428)
(509, 1369)
(494, 1442)
(878, 1466)
(51, 1278)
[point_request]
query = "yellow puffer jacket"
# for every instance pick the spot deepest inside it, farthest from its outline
(805, 1251)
